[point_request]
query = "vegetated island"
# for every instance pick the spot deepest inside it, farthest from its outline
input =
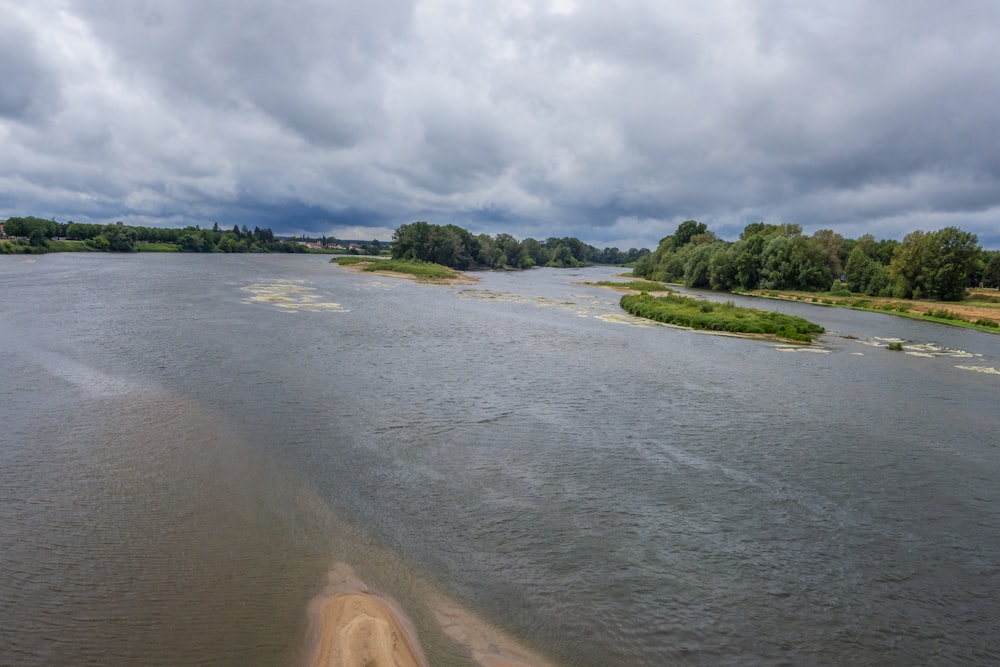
(691, 313)
(440, 253)
(422, 271)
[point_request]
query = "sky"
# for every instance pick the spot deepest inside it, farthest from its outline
(608, 121)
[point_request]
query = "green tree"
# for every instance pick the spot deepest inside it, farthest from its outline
(991, 273)
(722, 268)
(911, 265)
(688, 229)
(121, 238)
(957, 255)
(865, 271)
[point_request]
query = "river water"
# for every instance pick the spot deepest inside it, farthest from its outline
(188, 444)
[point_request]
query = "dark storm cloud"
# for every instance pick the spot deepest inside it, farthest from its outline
(612, 123)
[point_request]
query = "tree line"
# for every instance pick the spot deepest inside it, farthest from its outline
(932, 265)
(36, 234)
(457, 248)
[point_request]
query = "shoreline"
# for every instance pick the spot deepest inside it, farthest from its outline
(916, 309)
(352, 626)
(963, 314)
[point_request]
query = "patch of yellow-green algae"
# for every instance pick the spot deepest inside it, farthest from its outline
(290, 296)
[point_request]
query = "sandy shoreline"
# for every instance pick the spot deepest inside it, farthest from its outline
(351, 626)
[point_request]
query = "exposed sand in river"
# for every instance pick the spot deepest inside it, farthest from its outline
(350, 626)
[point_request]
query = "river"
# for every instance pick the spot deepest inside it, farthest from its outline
(188, 444)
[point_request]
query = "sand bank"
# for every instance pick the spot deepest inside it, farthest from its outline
(489, 646)
(350, 626)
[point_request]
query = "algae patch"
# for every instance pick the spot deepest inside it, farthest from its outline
(290, 296)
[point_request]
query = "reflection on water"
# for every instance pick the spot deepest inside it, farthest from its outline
(182, 464)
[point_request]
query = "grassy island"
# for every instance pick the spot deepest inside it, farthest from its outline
(697, 314)
(420, 270)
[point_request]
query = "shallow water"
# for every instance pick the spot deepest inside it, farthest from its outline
(190, 442)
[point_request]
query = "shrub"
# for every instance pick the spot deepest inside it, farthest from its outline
(896, 347)
(839, 289)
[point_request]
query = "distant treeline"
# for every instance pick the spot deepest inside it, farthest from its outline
(38, 235)
(455, 247)
(930, 265)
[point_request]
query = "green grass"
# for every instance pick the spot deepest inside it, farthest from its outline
(351, 260)
(149, 246)
(419, 270)
(67, 246)
(696, 314)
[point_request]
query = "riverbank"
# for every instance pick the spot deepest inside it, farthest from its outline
(980, 311)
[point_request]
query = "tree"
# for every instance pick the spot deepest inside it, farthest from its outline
(688, 229)
(991, 273)
(722, 268)
(912, 262)
(120, 237)
(865, 272)
(957, 255)
(562, 257)
(829, 245)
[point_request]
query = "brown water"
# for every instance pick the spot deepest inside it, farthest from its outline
(189, 443)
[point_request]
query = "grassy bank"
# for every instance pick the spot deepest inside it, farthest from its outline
(697, 314)
(419, 270)
(980, 311)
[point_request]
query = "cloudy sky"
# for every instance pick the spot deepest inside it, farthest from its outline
(609, 121)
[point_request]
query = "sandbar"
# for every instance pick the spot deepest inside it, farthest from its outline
(352, 627)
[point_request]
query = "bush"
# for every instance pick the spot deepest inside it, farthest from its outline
(943, 314)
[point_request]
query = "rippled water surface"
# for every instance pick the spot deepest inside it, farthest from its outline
(188, 443)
